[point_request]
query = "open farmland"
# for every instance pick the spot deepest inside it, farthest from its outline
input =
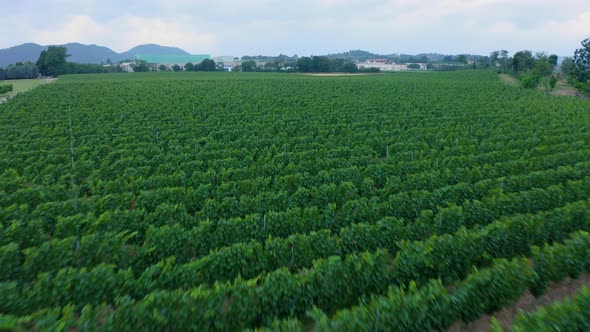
(220, 201)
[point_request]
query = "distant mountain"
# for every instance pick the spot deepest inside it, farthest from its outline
(153, 49)
(83, 53)
(361, 55)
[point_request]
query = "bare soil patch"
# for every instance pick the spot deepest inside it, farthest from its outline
(564, 89)
(527, 302)
(339, 74)
(509, 80)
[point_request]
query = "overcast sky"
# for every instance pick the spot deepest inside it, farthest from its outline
(303, 27)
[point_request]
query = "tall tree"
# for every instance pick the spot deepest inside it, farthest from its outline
(494, 57)
(320, 64)
(522, 61)
(189, 66)
(52, 62)
(248, 65)
(349, 67)
(140, 66)
(568, 67)
(304, 64)
(504, 60)
(462, 58)
(207, 65)
(582, 62)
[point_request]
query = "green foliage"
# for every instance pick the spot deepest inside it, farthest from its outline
(571, 314)
(52, 62)
(582, 62)
(21, 71)
(522, 61)
(5, 88)
(530, 80)
(140, 66)
(207, 65)
(322, 64)
(214, 201)
(249, 66)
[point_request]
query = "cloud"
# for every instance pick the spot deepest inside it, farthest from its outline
(307, 26)
(124, 32)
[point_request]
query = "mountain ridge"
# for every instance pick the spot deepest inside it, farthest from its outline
(83, 53)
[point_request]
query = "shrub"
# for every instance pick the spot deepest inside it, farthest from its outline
(530, 81)
(5, 88)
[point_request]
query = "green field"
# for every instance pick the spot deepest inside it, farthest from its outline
(23, 85)
(231, 201)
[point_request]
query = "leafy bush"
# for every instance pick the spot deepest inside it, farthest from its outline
(552, 82)
(5, 88)
(530, 81)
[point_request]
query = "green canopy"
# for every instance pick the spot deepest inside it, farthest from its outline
(172, 59)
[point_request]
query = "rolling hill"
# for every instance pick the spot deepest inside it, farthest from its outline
(82, 53)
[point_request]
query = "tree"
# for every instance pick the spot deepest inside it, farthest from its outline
(176, 68)
(162, 68)
(542, 65)
(249, 65)
(522, 61)
(207, 65)
(52, 62)
(483, 61)
(448, 58)
(582, 62)
(189, 66)
(304, 64)
(462, 58)
(22, 71)
(349, 67)
(553, 59)
(2, 74)
(494, 57)
(140, 66)
(568, 67)
(504, 60)
(320, 64)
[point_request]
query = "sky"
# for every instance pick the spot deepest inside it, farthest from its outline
(304, 27)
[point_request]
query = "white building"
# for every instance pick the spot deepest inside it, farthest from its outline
(387, 65)
(228, 61)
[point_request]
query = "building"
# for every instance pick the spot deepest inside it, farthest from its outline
(228, 61)
(387, 65)
(126, 66)
(382, 64)
(155, 61)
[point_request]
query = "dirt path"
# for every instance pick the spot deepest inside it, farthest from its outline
(564, 89)
(527, 302)
(509, 80)
(338, 74)
(22, 86)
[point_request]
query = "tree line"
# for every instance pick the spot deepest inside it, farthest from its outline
(52, 62)
(205, 65)
(577, 69)
(540, 69)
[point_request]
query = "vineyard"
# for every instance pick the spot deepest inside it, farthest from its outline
(226, 202)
